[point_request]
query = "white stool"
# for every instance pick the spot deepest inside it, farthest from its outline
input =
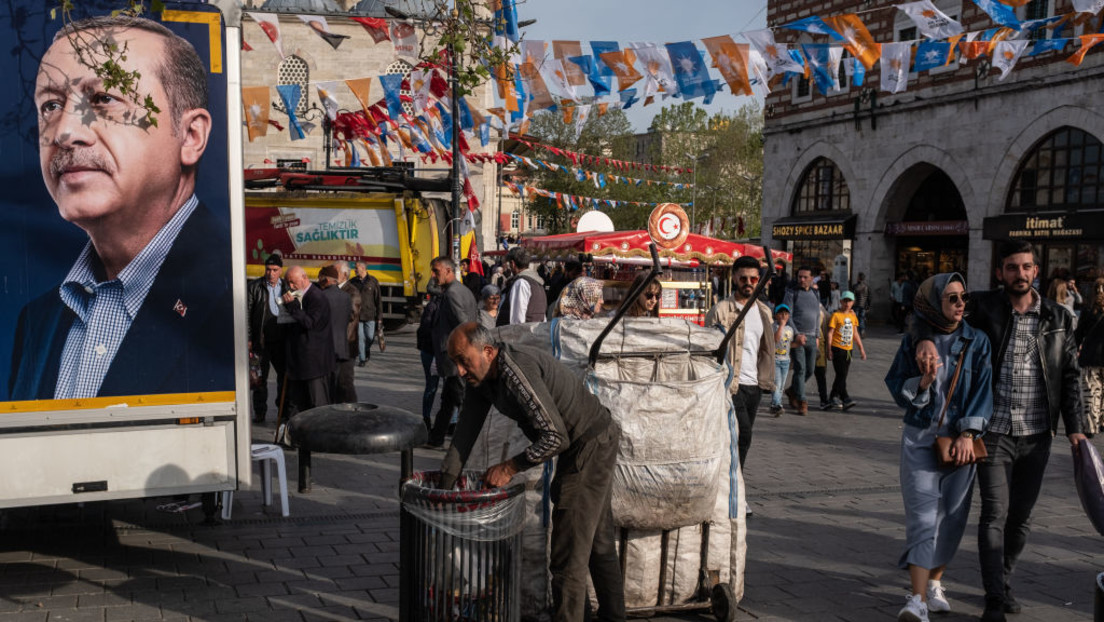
(267, 454)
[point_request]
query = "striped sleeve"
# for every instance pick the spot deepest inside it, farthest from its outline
(540, 409)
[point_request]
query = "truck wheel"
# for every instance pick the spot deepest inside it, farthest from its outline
(722, 602)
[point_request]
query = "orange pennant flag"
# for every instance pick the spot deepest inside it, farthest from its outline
(534, 83)
(1087, 43)
(731, 59)
(621, 63)
(568, 114)
(857, 39)
(1000, 35)
(506, 89)
(500, 113)
(564, 50)
(362, 89)
(256, 103)
(602, 108)
(954, 46)
(973, 49)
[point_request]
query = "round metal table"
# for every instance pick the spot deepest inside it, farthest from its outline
(355, 429)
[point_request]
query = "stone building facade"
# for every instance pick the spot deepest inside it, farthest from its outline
(933, 178)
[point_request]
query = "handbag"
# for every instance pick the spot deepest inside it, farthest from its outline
(380, 340)
(1088, 473)
(942, 445)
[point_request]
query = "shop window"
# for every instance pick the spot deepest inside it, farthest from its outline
(1062, 171)
(294, 70)
(822, 189)
(515, 221)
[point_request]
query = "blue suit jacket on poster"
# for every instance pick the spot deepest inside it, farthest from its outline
(165, 350)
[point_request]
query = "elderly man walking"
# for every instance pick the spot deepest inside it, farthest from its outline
(457, 306)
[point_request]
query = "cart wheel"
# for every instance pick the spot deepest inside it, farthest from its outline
(722, 601)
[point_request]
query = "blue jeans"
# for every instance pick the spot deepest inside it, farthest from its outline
(861, 313)
(366, 334)
(431, 382)
(781, 369)
(804, 359)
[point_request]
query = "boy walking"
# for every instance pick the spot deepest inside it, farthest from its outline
(783, 335)
(843, 335)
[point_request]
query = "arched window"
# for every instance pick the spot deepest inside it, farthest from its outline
(1062, 171)
(402, 68)
(294, 70)
(822, 189)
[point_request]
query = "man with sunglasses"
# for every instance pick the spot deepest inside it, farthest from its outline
(1035, 380)
(751, 350)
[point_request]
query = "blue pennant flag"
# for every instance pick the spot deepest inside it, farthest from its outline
(1048, 45)
(392, 86)
(691, 72)
(858, 72)
(522, 94)
(931, 55)
(628, 98)
(599, 48)
(290, 94)
(466, 121)
(814, 26)
(600, 83)
(485, 132)
(506, 24)
(352, 149)
(820, 63)
(999, 13)
(446, 119)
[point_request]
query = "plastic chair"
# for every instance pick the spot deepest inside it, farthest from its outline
(267, 454)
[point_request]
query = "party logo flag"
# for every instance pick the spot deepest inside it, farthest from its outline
(730, 58)
(536, 87)
(1007, 54)
(291, 94)
(392, 87)
(376, 27)
(856, 38)
(405, 38)
(557, 71)
(599, 48)
(325, 95)
(572, 72)
(690, 71)
(775, 55)
(819, 61)
(420, 79)
(322, 29)
(1048, 45)
(931, 55)
(855, 71)
(1087, 43)
(599, 82)
(659, 75)
(930, 21)
(271, 27)
(255, 102)
(814, 26)
(621, 64)
(628, 98)
(506, 31)
(895, 66)
(999, 12)
(1088, 6)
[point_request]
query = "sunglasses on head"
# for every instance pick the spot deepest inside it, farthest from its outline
(954, 299)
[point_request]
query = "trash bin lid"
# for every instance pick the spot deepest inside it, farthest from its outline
(356, 429)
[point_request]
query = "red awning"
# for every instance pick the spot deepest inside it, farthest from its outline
(633, 244)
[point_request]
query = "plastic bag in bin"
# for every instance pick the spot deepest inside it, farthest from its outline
(468, 511)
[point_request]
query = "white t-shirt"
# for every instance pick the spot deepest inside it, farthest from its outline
(753, 336)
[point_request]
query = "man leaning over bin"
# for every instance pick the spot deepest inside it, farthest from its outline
(561, 418)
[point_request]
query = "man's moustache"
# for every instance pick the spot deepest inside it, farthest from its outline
(77, 159)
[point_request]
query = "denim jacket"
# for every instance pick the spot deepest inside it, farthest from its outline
(972, 403)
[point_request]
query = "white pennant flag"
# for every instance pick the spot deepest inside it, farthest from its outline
(556, 75)
(1007, 54)
(757, 72)
(835, 55)
(930, 21)
(1088, 6)
(325, 95)
(419, 88)
(658, 73)
(775, 55)
(582, 112)
(405, 38)
(895, 66)
(271, 27)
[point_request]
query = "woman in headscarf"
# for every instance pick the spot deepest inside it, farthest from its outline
(490, 296)
(581, 299)
(937, 499)
(647, 303)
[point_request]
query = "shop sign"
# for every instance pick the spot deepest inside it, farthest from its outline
(1042, 227)
(815, 230)
(933, 227)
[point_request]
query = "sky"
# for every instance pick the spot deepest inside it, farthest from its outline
(661, 21)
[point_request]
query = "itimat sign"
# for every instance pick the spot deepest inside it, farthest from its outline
(1045, 226)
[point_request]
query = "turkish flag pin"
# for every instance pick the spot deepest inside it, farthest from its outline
(180, 307)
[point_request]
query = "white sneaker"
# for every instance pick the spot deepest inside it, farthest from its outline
(914, 610)
(937, 598)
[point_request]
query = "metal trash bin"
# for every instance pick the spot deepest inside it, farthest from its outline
(460, 550)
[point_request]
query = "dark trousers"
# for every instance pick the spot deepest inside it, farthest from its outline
(452, 395)
(275, 356)
(841, 363)
(307, 394)
(821, 373)
(343, 388)
(583, 532)
(1009, 481)
(803, 359)
(430, 392)
(746, 401)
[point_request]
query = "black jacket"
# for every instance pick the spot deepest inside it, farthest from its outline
(310, 343)
(257, 312)
(991, 313)
(1090, 336)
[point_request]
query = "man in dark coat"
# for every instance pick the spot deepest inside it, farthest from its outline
(341, 315)
(371, 310)
(310, 343)
(266, 335)
(457, 306)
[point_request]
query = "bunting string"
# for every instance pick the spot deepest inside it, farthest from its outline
(600, 179)
(622, 165)
(572, 202)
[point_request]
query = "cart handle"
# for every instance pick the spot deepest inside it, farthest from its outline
(722, 350)
(626, 303)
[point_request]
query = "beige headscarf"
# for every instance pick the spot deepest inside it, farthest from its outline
(580, 297)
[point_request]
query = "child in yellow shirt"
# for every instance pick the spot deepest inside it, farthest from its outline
(843, 335)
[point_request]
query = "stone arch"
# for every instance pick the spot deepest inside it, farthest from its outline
(1062, 116)
(900, 179)
(819, 149)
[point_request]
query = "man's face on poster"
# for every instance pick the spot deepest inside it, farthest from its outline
(100, 158)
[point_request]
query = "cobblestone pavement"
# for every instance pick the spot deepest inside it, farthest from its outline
(823, 543)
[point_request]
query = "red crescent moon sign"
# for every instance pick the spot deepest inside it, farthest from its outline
(668, 226)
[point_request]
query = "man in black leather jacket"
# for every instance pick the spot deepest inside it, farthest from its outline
(266, 336)
(1035, 380)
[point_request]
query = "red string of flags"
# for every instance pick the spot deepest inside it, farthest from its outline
(600, 179)
(571, 202)
(621, 165)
